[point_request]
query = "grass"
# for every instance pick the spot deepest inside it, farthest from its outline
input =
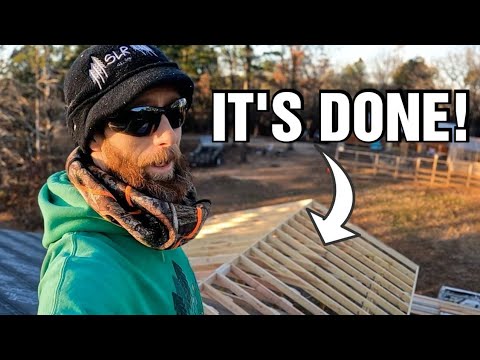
(437, 227)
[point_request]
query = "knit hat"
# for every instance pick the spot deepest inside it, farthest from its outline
(105, 78)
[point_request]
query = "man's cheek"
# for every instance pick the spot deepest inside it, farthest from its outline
(178, 132)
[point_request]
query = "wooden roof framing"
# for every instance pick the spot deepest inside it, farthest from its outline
(225, 236)
(289, 271)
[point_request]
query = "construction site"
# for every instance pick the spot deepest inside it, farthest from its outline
(259, 253)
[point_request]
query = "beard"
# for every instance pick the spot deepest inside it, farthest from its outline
(171, 187)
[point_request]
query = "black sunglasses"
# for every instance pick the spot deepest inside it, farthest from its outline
(143, 120)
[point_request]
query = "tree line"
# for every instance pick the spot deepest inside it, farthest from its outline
(31, 85)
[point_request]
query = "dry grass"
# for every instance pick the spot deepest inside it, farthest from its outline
(436, 227)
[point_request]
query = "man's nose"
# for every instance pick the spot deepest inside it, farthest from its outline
(165, 135)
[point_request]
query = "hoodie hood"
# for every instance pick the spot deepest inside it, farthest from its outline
(64, 211)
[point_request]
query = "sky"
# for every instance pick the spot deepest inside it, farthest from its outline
(341, 55)
(347, 54)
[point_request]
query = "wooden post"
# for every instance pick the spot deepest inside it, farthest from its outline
(417, 168)
(337, 152)
(397, 166)
(434, 169)
(449, 172)
(375, 164)
(469, 176)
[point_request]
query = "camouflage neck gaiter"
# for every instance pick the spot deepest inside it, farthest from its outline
(156, 224)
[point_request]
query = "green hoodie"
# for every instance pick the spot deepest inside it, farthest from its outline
(93, 266)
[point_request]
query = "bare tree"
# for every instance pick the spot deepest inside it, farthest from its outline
(32, 66)
(472, 82)
(385, 65)
(16, 128)
(230, 55)
(317, 74)
(453, 70)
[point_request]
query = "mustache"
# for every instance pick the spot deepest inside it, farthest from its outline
(162, 156)
(134, 171)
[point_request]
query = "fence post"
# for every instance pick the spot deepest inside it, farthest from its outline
(469, 176)
(375, 163)
(434, 169)
(449, 173)
(397, 165)
(417, 168)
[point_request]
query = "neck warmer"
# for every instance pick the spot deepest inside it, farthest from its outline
(154, 223)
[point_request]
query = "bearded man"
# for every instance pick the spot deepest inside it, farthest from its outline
(115, 219)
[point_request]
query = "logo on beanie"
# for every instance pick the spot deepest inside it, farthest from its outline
(144, 49)
(98, 68)
(97, 72)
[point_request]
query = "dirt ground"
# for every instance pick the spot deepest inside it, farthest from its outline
(438, 228)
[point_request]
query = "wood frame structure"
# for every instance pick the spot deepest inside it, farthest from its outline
(289, 271)
(424, 305)
(213, 247)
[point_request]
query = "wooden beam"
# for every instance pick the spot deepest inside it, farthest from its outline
(395, 285)
(378, 270)
(196, 261)
(432, 306)
(377, 243)
(267, 294)
(378, 293)
(209, 310)
(238, 300)
(362, 245)
(333, 279)
(223, 300)
(305, 303)
(393, 295)
(224, 269)
(385, 260)
(255, 303)
(318, 288)
(305, 285)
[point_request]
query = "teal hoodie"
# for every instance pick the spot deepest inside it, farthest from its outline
(93, 266)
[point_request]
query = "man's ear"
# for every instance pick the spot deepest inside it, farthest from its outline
(96, 142)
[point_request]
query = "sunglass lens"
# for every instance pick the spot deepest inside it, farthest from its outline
(140, 120)
(177, 113)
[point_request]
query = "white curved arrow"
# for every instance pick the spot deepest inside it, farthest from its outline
(331, 227)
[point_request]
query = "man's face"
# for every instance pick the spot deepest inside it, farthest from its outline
(152, 163)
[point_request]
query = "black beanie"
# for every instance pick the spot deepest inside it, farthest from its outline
(105, 78)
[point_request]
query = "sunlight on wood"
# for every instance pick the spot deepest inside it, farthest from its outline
(226, 235)
(289, 271)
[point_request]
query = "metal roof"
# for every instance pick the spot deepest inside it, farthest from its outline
(21, 256)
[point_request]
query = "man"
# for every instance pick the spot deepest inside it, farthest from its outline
(116, 218)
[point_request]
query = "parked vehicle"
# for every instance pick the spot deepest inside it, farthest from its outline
(207, 153)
